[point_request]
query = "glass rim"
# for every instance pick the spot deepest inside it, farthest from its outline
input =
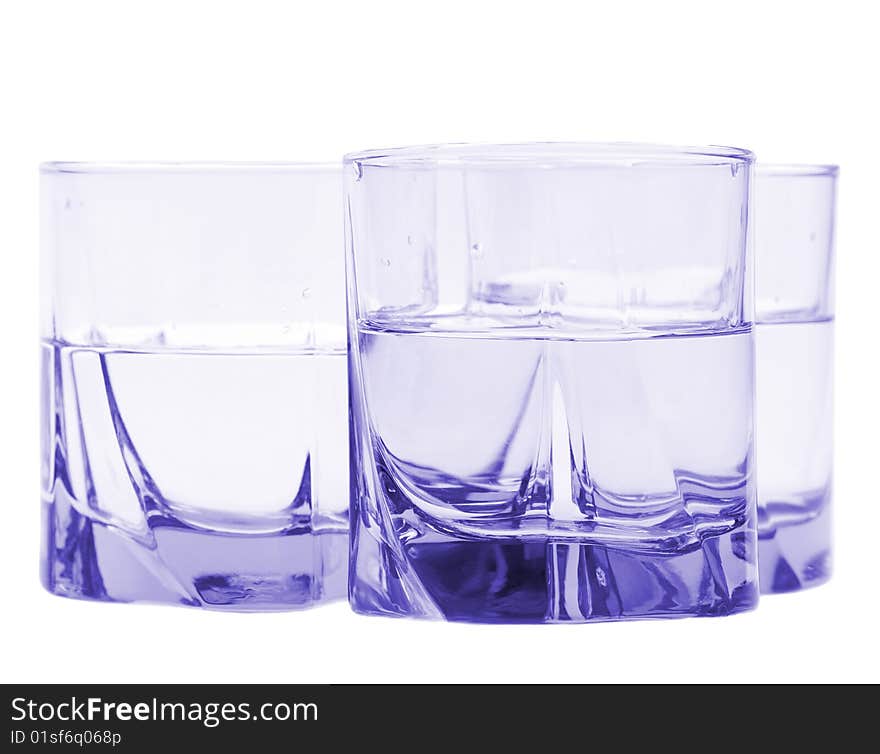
(551, 154)
(796, 170)
(135, 167)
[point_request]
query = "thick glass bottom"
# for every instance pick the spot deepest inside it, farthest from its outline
(87, 559)
(549, 582)
(794, 546)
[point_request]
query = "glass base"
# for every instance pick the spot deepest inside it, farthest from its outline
(548, 582)
(794, 552)
(87, 559)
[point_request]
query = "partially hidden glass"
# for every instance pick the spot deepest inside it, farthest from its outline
(551, 382)
(195, 438)
(794, 262)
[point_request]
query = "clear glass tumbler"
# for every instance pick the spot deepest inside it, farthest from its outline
(195, 437)
(794, 263)
(551, 382)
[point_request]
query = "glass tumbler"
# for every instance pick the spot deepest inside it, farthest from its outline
(794, 263)
(195, 437)
(551, 382)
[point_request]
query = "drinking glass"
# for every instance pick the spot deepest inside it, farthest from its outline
(195, 439)
(794, 262)
(551, 382)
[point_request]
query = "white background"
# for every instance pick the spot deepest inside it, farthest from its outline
(261, 80)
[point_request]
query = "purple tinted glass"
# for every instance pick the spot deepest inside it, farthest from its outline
(551, 382)
(794, 261)
(195, 445)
